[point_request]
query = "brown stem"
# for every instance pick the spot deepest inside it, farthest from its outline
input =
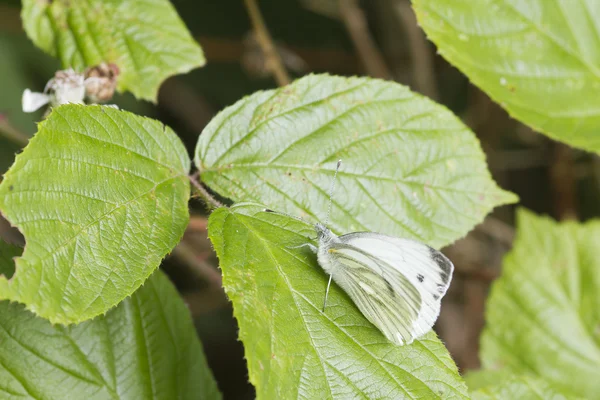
(210, 200)
(356, 24)
(421, 56)
(11, 133)
(184, 254)
(273, 60)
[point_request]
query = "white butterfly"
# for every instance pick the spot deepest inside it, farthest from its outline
(396, 283)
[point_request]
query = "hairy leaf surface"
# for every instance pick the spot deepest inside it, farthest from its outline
(101, 197)
(296, 351)
(146, 39)
(539, 59)
(410, 167)
(146, 348)
(543, 314)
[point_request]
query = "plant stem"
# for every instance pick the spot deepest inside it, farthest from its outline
(11, 133)
(421, 57)
(210, 200)
(356, 24)
(273, 60)
(184, 254)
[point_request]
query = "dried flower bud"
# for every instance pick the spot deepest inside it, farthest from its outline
(101, 82)
(67, 87)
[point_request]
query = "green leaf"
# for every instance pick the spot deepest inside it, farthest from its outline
(101, 197)
(7, 254)
(293, 349)
(146, 39)
(146, 348)
(410, 167)
(522, 388)
(479, 379)
(543, 313)
(539, 59)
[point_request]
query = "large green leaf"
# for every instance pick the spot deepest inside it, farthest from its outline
(543, 313)
(146, 39)
(521, 388)
(101, 197)
(294, 350)
(539, 59)
(146, 348)
(410, 167)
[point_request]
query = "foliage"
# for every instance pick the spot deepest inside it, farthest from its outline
(294, 350)
(522, 388)
(410, 167)
(144, 348)
(101, 197)
(549, 290)
(88, 32)
(537, 58)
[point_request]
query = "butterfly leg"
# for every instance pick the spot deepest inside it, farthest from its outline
(327, 292)
(311, 246)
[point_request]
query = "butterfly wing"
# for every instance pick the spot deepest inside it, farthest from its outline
(396, 283)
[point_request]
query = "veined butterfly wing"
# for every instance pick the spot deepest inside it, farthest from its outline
(396, 283)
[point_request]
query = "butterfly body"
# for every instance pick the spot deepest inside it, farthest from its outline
(396, 283)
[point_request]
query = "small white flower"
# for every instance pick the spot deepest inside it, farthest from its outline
(67, 86)
(32, 101)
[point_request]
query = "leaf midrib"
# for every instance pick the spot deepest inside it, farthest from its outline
(249, 166)
(293, 291)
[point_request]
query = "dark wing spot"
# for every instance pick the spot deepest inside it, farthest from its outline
(268, 210)
(436, 297)
(442, 261)
(420, 277)
(390, 288)
(441, 288)
(11, 188)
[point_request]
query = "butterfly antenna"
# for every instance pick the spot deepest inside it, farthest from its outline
(337, 168)
(327, 292)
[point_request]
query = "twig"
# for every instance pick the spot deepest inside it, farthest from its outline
(356, 24)
(11, 133)
(203, 192)
(184, 253)
(273, 60)
(421, 56)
